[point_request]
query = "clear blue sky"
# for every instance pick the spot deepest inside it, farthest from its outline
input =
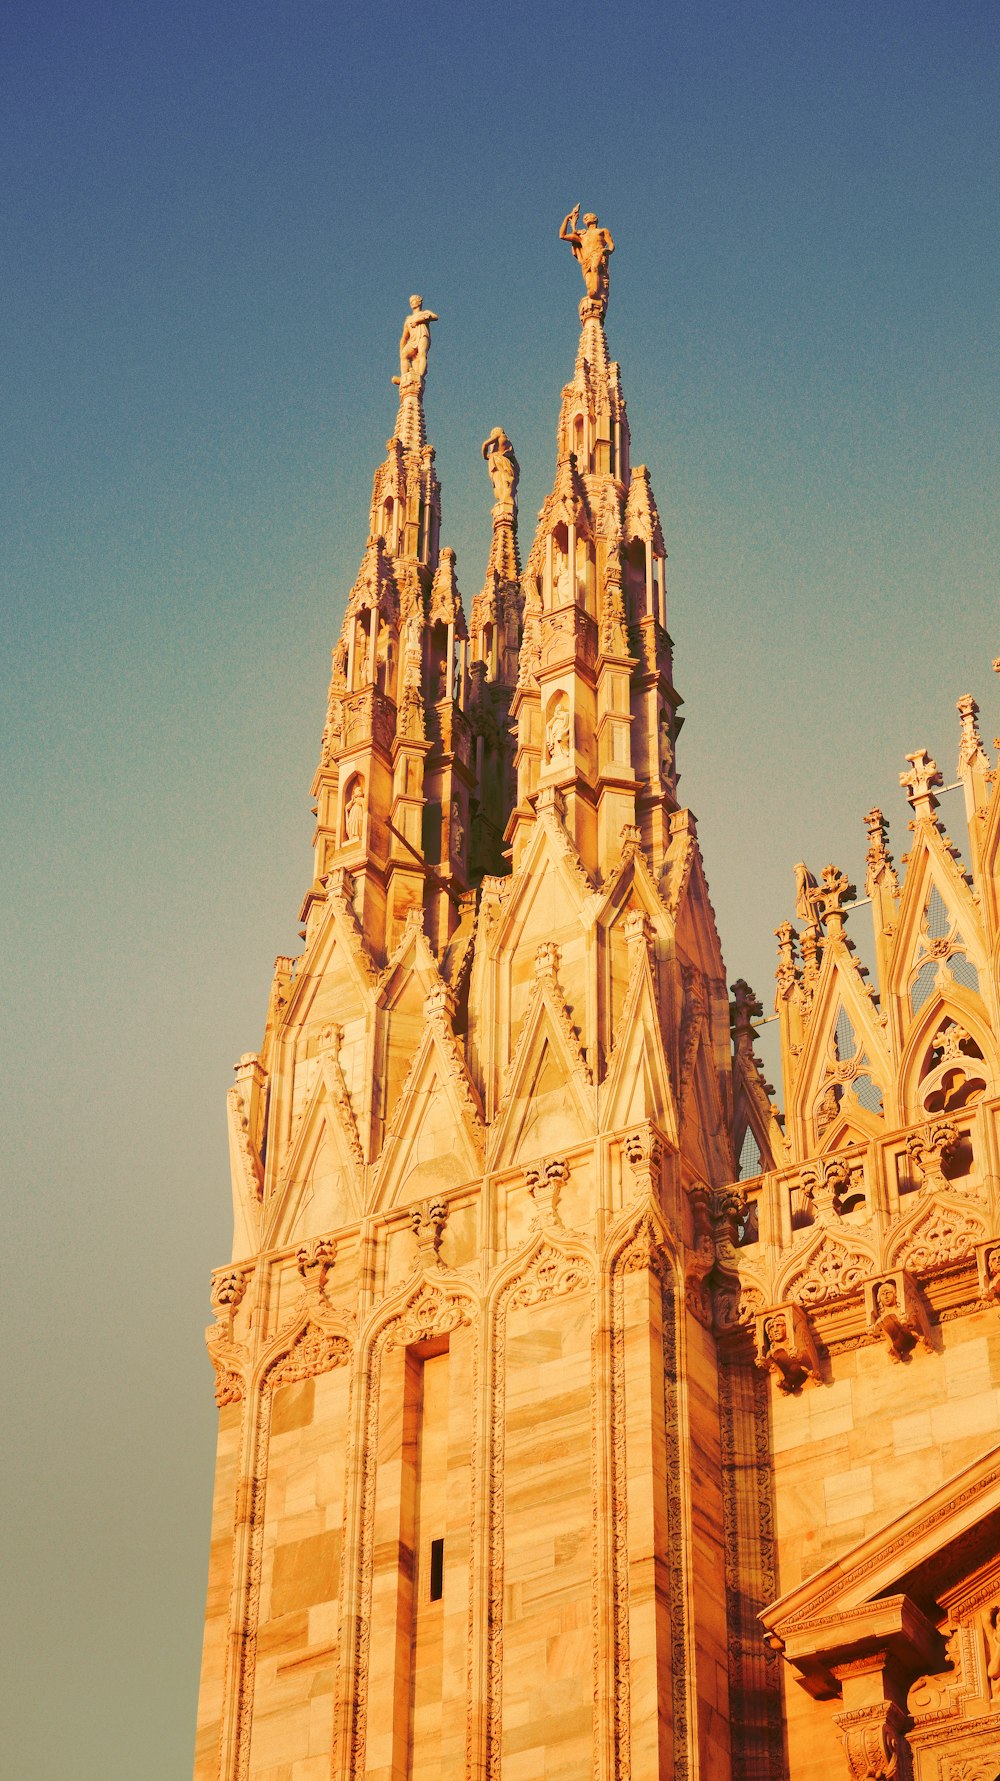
(212, 218)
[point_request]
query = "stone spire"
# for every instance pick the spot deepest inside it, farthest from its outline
(495, 640)
(595, 704)
(395, 730)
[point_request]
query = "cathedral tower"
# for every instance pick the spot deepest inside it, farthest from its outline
(509, 1361)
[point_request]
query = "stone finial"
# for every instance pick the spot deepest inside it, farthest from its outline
(745, 1008)
(971, 744)
(638, 934)
(228, 1289)
(314, 1262)
(930, 1147)
(827, 1184)
(440, 1005)
(834, 890)
(545, 1184)
(592, 248)
(547, 962)
(784, 1346)
(644, 1155)
(878, 858)
(427, 1222)
(919, 784)
(787, 973)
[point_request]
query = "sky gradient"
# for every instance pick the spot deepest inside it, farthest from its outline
(212, 220)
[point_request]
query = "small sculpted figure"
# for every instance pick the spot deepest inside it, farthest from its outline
(503, 468)
(354, 815)
(415, 344)
(666, 746)
(805, 888)
(557, 733)
(993, 1651)
(456, 832)
(592, 247)
(885, 1298)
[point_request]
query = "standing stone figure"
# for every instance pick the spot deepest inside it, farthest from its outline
(592, 246)
(503, 467)
(415, 344)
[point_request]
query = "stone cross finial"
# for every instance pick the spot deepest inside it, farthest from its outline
(919, 782)
(834, 890)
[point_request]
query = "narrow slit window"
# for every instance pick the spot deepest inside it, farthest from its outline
(437, 1570)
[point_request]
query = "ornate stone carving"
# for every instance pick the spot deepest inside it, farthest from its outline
(895, 1311)
(331, 1040)
(700, 1259)
(939, 1235)
(427, 1222)
(230, 1358)
(929, 1148)
(827, 1183)
(545, 1182)
(830, 1270)
(874, 1743)
(784, 1346)
(988, 1265)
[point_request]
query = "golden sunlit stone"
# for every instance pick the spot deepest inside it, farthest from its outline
(576, 1406)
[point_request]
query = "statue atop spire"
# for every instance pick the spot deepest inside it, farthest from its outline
(414, 345)
(503, 468)
(592, 247)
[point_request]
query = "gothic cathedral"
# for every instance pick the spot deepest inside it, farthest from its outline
(581, 1415)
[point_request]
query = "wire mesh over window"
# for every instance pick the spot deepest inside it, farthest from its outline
(937, 917)
(845, 1038)
(964, 972)
(922, 985)
(868, 1093)
(750, 1158)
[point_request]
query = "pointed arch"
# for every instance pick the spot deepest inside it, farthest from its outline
(962, 1009)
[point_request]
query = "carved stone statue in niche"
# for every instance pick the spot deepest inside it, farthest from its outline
(354, 815)
(456, 832)
(414, 345)
(557, 732)
(666, 746)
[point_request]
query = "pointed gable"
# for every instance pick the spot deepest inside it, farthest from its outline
(436, 1138)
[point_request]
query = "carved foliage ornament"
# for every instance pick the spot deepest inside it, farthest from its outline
(873, 1741)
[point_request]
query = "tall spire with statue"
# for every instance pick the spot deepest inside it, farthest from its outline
(576, 1405)
(393, 786)
(596, 705)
